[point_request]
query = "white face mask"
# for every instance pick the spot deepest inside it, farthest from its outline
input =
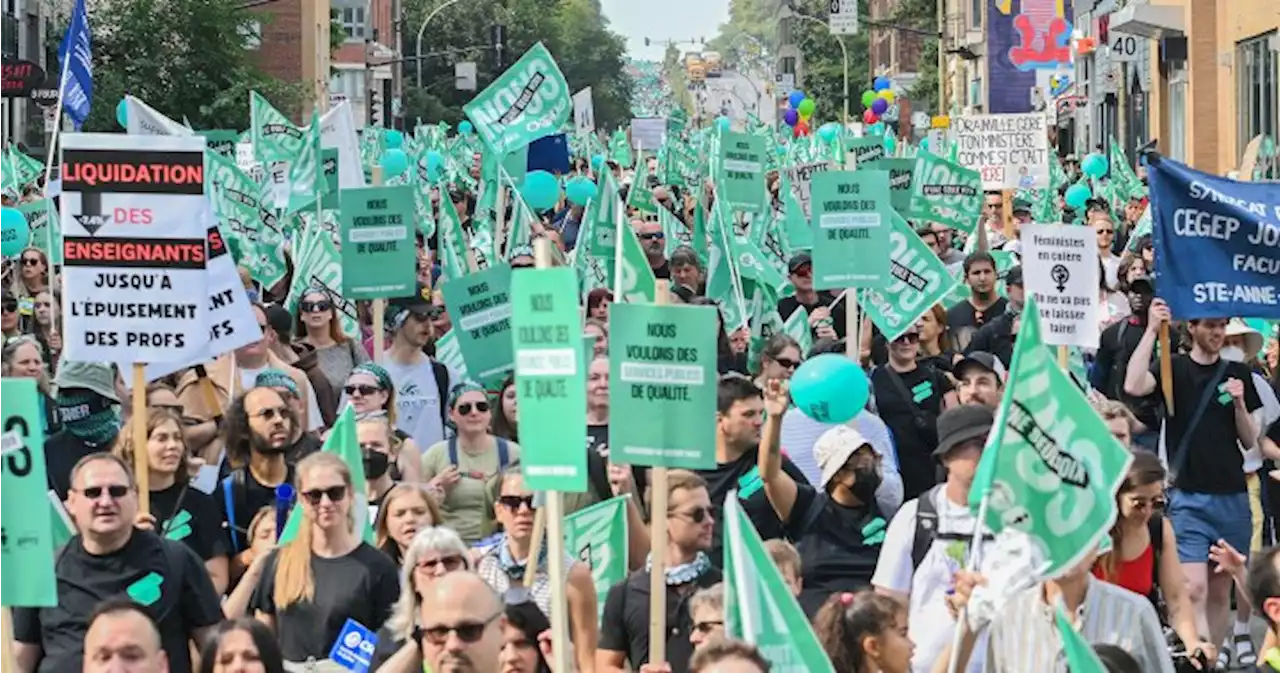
(1232, 353)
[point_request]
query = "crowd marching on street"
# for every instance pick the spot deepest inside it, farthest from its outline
(805, 398)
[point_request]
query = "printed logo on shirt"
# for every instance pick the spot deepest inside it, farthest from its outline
(921, 391)
(146, 591)
(749, 483)
(179, 527)
(1224, 397)
(873, 532)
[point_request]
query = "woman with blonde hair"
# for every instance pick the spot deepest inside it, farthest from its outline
(433, 553)
(405, 510)
(318, 326)
(325, 575)
(177, 511)
(23, 358)
(33, 275)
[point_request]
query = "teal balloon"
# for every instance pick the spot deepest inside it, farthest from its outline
(541, 190)
(14, 232)
(393, 139)
(465, 128)
(435, 165)
(924, 143)
(723, 123)
(394, 162)
(830, 388)
(1077, 196)
(597, 162)
(890, 144)
(580, 190)
(122, 114)
(1094, 165)
(828, 132)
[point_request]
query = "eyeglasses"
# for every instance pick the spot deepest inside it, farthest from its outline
(908, 338)
(787, 363)
(116, 491)
(707, 627)
(480, 407)
(697, 515)
(363, 390)
(803, 272)
(271, 413)
(314, 306)
(468, 632)
(334, 493)
(32, 261)
(450, 563)
(514, 502)
(652, 236)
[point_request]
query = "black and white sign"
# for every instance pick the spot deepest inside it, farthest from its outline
(843, 17)
(584, 111)
(1060, 269)
(134, 219)
(1124, 47)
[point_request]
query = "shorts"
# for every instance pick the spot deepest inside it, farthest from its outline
(1201, 519)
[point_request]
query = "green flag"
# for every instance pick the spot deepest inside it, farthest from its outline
(449, 354)
(527, 102)
(343, 443)
(28, 538)
(639, 196)
(635, 279)
(597, 536)
(306, 175)
(318, 264)
(274, 137)
(46, 229)
(919, 280)
(1079, 653)
(945, 192)
(797, 327)
(1050, 468)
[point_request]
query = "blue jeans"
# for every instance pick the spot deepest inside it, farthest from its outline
(1201, 519)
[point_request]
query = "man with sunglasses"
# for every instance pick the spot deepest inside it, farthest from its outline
(461, 625)
(258, 434)
(654, 242)
(825, 321)
(109, 558)
(421, 382)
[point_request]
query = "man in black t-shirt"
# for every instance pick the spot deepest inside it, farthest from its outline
(983, 303)
(1213, 400)
(110, 559)
(825, 321)
(909, 399)
(1000, 333)
(1115, 347)
(257, 434)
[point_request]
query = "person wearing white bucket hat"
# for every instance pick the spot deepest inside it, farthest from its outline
(1242, 343)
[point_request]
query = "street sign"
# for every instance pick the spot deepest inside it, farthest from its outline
(1124, 47)
(786, 81)
(465, 75)
(843, 19)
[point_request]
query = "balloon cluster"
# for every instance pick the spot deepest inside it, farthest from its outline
(799, 109)
(877, 99)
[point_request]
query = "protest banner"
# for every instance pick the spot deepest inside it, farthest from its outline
(480, 304)
(221, 142)
(550, 378)
(741, 178)
(353, 649)
(945, 193)
(801, 176)
(28, 579)
(919, 280)
(866, 152)
(528, 101)
(1009, 151)
(900, 173)
(318, 266)
(449, 354)
(1217, 243)
(378, 254)
(1060, 270)
(584, 112)
(597, 536)
(851, 221)
(648, 133)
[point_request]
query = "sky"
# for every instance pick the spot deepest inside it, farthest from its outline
(661, 20)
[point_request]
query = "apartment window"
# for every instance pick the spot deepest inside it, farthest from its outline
(975, 14)
(1257, 79)
(1178, 114)
(353, 23)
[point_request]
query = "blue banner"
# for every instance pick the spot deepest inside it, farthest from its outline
(1217, 243)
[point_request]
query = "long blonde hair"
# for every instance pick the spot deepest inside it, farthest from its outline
(155, 417)
(295, 582)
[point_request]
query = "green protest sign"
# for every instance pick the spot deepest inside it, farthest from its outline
(551, 384)
(480, 304)
(378, 255)
(599, 220)
(920, 280)
(867, 152)
(851, 218)
(1050, 468)
(329, 172)
(597, 536)
(221, 141)
(46, 230)
(741, 180)
(900, 172)
(946, 193)
(529, 101)
(28, 579)
(662, 385)
(450, 355)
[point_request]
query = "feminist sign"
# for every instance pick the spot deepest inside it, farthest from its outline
(527, 102)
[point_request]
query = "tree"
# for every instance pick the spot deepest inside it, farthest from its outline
(754, 19)
(185, 58)
(823, 63)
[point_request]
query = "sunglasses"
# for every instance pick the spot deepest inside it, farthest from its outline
(787, 363)
(315, 306)
(334, 493)
(908, 338)
(514, 502)
(706, 627)
(803, 272)
(32, 261)
(1142, 504)
(468, 632)
(652, 236)
(522, 265)
(272, 413)
(465, 408)
(116, 491)
(697, 515)
(10, 306)
(450, 563)
(363, 390)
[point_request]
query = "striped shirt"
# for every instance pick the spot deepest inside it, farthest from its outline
(1024, 636)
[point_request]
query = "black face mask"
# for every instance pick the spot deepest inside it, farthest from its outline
(867, 480)
(376, 464)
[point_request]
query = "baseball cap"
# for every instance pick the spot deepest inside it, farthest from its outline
(1014, 276)
(1022, 205)
(958, 425)
(1144, 279)
(798, 260)
(983, 360)
(419, 301)
(833, 449)
(95, 376)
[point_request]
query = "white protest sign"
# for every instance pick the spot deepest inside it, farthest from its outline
(338, 130)
(801, 177)
(134, 219)
(648, 133)
(1060, 269)
(1010, 151)
(584, 111)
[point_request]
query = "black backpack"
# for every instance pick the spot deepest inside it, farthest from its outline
(927, 528)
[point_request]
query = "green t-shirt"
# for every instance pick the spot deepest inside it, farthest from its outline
(468, 506)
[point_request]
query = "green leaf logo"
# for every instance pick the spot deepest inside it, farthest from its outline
(146, 590)
(179, 527)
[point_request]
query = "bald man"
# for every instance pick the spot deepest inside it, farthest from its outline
(122, 638)
(462, 620)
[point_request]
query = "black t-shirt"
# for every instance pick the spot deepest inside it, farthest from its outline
(838, 545)
(61, 453)
(913, 421)
(743, 476)
(1213, 463)
(963, 319)
(624, 626)
(1115, 347)
(165, 576)
(190, 517)
(247, 497)
(362, 585)
(788, 305)
(306, 445)
(663, 272)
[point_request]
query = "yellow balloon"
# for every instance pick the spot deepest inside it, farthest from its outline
(804, 116)
(888, 96)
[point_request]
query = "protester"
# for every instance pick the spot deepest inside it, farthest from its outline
(371, 393)
(686, 270)
(1120, 421)
(826, 317)
(123, 636)
(86, 400)
(523, 639)
(864, 633)
(655, 244)
(506, 420)
(1115, 348)
(936, 345)
(598, 330)
(301, 442)
(462, 625)
(43, 327)
(405, 509)
(33, 278)
(980, 378)
(256, 433)
(420, 381)
(998, 334)
(983, 303)
(433, 553)
(724, 655)
(243, 645)
(706, 609)
(909, 397)
(10, 319)
(380, 452)
(778, 360)
(1105, 230)
(21, 358)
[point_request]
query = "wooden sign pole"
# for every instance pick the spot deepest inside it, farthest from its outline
(379, 305)
(138, 417)
(658, 541)
(1166, 368)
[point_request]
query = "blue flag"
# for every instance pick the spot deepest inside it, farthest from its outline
(76, 56)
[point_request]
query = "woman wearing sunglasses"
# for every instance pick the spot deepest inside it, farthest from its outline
(369, 389)
(504, 564)
(1144, 551)
(462, 468)
(317, 325)
(433, 553)
(33, 274)
(326, 574)
(778, 359)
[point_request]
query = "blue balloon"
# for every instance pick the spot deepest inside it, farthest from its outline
(541, 190)
(122, 114)
(465, 128)
(723, 123)
(393, 139)
(881, 83)
(14, 232)
(829, 131)
(1077, 196)
(580, 190)
(795, 98)
(435, 165)
(394, 162)
(597, 162)
(830, 388)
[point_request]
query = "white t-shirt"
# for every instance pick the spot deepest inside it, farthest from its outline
(418, 401)
(930, 624)
(314, 420)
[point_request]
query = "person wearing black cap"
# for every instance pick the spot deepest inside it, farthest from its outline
(997, 336)
(421, 382)
(1115, 347)
(980, 379)
(983, 303)
(824, 321)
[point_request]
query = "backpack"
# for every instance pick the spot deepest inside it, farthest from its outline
(231, 484)
(926, 530)
(441, 373)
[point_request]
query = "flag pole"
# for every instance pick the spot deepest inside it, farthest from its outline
(53, 137)
(957, 638)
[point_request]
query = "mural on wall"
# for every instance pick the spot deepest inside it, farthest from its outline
(1029, 47)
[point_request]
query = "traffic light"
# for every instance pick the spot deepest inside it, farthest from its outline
(497, 40)
(377, 108)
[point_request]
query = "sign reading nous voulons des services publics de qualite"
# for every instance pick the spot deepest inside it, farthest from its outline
(134, 220)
